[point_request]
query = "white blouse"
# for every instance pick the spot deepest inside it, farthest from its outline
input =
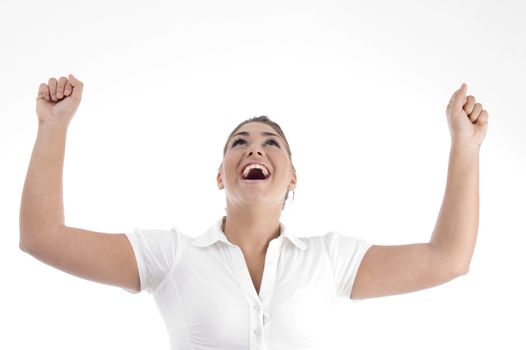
(204, 292)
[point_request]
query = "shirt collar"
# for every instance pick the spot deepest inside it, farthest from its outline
(215, 233)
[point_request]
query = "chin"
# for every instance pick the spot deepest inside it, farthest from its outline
(255, 199)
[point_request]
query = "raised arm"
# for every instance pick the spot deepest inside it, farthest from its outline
(389, 270)
(100, 257)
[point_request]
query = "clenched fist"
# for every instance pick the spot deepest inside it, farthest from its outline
(57, 101)
(467, 120)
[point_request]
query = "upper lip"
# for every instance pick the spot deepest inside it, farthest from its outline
(255, 162)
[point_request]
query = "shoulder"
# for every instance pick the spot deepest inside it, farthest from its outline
(330, 237)
(331, 240)
(172, 232)
(338, 243)
(156, 238)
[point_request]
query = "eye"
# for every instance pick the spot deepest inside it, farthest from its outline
(237, 141)
(272, 141)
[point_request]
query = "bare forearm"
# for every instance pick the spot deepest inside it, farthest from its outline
(42, 206)
(456, 228)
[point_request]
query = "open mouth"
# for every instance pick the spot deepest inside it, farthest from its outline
(255, 172)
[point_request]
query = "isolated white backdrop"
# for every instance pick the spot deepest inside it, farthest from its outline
(360, 89)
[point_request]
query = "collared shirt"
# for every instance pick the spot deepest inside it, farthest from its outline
(204, 291)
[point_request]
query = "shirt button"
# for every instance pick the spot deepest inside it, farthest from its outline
(256, 307)
(257, 332)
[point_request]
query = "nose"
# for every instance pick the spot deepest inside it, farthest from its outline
(254, 148)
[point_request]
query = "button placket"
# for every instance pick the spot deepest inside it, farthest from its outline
(242, 273)
(269, 272)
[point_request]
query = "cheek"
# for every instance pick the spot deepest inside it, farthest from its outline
(284, 166)
(229, 168)
(283, 160)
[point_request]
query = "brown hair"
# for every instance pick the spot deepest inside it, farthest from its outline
(265, 120)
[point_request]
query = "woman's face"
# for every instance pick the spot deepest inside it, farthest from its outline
(256, 143)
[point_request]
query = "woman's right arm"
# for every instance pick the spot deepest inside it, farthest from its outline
(100, 257)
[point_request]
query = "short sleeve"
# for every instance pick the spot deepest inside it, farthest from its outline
(346, 254)
(156, 253)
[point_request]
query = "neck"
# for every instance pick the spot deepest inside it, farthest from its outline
(252, 228)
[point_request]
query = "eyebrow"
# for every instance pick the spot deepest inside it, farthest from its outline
(264, 133)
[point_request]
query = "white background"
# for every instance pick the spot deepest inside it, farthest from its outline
(360, 89)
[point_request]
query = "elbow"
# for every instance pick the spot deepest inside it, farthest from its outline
(465, 269)
(24, 247)
(452, 270)
(453, 266)
(460, 269)
(33, 241)
(22, 242)
(27, 244)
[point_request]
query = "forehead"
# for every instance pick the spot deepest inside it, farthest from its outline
(256, 128)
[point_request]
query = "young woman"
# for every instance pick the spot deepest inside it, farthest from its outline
(247, 282)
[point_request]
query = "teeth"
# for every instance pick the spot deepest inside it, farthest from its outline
(255, 166)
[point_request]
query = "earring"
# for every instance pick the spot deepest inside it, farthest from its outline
(288, 197)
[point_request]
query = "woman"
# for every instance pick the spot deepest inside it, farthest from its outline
(247, 281)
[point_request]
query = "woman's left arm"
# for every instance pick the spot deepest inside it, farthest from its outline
(389, 270)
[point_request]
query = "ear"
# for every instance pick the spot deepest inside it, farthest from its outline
(219, 181)
(293, 180)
